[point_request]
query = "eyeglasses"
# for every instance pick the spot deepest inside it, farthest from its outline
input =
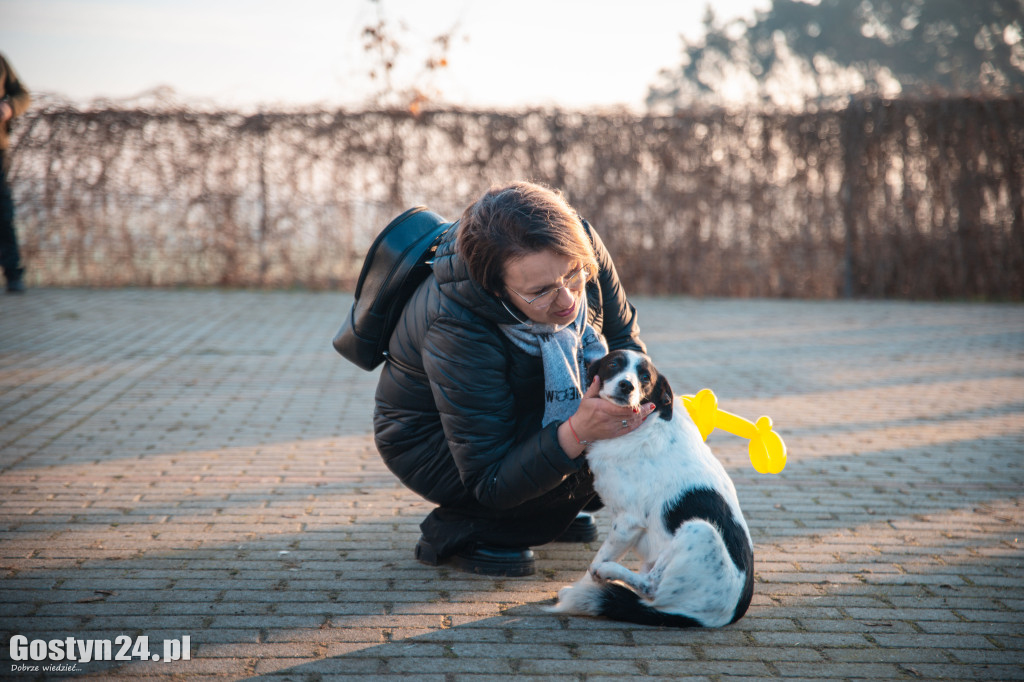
(544, 299)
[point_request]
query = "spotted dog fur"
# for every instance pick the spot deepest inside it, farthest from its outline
(673, 504)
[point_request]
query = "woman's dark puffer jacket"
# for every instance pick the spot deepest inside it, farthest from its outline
(459, 408)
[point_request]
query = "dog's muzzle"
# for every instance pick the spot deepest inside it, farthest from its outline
(622, 393)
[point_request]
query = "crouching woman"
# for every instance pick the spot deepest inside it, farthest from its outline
(483, 407)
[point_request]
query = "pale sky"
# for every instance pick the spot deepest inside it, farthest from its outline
(240, 53)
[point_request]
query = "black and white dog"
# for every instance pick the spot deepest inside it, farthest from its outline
(671, 502)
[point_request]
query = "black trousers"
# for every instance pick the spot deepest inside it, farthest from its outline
(535, 522)
(10, 257)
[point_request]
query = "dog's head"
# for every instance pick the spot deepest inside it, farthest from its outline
(629, 378)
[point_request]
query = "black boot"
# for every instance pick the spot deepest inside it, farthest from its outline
(482, 559)
(582, 529)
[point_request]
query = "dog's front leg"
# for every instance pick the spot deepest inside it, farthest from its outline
(626, 531)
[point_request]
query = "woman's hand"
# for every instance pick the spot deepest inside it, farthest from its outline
(598, 419)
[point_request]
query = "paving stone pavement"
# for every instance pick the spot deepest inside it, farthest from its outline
(199, 463)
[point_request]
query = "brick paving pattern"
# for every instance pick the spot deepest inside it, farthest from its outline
(200, 463)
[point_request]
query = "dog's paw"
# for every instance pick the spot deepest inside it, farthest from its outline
(599, 569)
(604, 571)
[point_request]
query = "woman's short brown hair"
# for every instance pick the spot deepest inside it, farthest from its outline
(513, 221)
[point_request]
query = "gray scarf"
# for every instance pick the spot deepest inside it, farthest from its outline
(565, 352)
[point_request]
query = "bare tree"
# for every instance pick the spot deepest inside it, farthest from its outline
(387, 43)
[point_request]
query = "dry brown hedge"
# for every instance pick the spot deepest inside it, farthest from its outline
(917, 199)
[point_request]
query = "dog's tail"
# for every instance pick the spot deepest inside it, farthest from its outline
(621, 603)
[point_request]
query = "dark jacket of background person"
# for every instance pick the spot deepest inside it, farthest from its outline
(459, 407)
(14, 93)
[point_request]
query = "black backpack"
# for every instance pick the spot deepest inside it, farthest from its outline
(397, 262)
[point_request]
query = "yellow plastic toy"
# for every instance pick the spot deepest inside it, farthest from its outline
(767, 451)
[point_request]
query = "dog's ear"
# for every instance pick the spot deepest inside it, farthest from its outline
(663, 397)
(592, 370)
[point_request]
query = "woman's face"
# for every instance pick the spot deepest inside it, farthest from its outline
(545, 272)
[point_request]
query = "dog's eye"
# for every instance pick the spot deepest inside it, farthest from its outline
(645, 377)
